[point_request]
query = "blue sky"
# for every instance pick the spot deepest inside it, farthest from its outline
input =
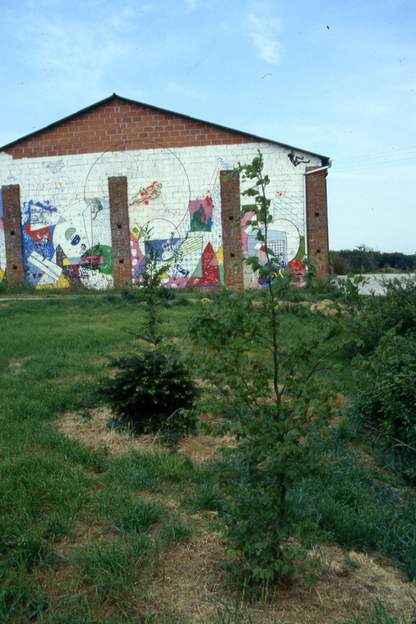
(337, 77)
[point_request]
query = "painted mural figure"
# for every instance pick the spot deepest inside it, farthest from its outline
(61, 253)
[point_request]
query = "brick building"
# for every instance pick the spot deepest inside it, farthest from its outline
(85, 198)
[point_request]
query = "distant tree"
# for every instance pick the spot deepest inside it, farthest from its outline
(362, 259)
(339, 265)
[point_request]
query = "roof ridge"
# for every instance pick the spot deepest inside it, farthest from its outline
(114, 95)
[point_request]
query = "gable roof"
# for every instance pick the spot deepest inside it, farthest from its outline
(115, 96)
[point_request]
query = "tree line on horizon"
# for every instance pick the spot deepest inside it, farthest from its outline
(362, 259)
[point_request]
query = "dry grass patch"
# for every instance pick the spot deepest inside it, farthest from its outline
(200, 448)
(92, 430)
(190, 577)
(17, 365)
(338, 402)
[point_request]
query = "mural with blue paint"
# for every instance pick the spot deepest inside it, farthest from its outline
(63, 253)
(188, 246)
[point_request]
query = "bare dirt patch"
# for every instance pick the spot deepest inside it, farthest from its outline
(191, 578)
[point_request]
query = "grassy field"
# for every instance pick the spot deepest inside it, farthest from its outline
(87, 535)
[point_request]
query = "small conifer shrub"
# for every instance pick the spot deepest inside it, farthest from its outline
(149, 389)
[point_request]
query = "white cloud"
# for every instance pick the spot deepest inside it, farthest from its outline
(263, 33)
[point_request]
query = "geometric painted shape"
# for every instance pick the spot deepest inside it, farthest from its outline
(39, 219)
(291, 232)
(98, 258)
(277, 242)
(200, 212)
(210, 269)
(163, 250)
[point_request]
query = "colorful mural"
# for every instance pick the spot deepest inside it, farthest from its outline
(184, 238)
(284, 239)
(186, 261)
(146, 194)
(173, 193)
(200, 212)
(2, 242)
(62, 253)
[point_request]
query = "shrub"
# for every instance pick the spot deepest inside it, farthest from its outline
(182, 423)
(148, 390)
(396, 310)
(349, 288)
(387, 400)
(339, 265)
(152, 389)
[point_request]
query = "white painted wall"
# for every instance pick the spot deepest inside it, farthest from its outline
(75, 192)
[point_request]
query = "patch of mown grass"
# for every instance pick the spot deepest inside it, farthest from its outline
(51, 356)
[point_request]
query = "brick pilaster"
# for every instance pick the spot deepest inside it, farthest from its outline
(120, 231)
(12, 222)
(317, 219)
(230, 213)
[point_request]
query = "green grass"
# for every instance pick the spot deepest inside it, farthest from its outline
(360, 506)
(52, 354)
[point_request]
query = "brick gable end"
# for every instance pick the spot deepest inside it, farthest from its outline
(118, 126)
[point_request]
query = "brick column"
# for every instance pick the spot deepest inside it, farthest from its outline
(120, 231)
(230, 212)
(317, 219)
(12, 221)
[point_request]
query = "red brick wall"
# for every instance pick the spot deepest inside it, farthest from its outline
(13, 234)
(120, 231)
(317, 219)
(230, 213)
(118, 125)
